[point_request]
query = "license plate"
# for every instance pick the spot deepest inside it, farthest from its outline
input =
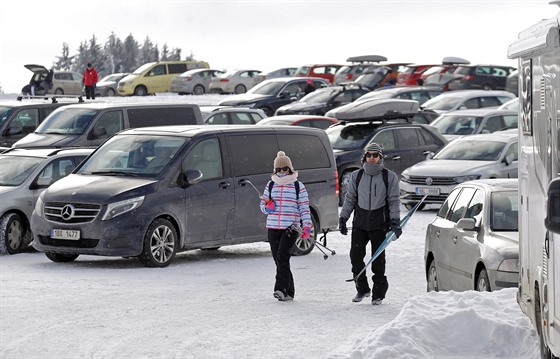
(65, 234)
(426, 190)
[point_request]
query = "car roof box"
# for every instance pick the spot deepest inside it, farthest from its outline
(367, 58)
(452, 60)
(376, 109)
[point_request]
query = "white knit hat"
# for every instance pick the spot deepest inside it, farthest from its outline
(282, 160)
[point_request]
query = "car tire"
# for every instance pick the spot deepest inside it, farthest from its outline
(544, 349)
(61, 257)
(12, 233)
(302, 246)
(239, 89)
(267, 111)
(58, 92)
(160, 244)
(199, 90)
(482, 282)
(140, 91)
(431, 278)
(110, 92)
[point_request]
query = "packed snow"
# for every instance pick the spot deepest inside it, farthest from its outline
(219, 304)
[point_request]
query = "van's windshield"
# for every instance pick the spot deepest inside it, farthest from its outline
(71, 121)
(133, 155)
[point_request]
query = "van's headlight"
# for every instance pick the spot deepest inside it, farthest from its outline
(39, 207)
(118, 208)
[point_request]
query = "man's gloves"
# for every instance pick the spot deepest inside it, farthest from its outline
(270, 206)
(306, 232)
(342, 226)
(396, 227)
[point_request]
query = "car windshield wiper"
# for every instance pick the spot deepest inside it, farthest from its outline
(114, 173)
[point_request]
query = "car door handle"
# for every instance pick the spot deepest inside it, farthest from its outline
(454, 240)
(396, 158)
(224, 185)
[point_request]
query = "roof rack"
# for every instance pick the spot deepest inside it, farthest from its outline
(53, 98)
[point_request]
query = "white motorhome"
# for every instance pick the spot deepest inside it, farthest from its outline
(538, 51)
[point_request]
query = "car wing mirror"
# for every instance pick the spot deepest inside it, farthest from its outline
(193, 176)
(466, 224)
(509, 159)
(293, 99)
(15, 130)
(99, 132)
(552, 220)
(430, 155)
(43, 182)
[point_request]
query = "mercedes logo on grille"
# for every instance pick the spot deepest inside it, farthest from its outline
(67, 212)
(429, 181)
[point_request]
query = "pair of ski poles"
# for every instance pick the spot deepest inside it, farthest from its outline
(319, 245)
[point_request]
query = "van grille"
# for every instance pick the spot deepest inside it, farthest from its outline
(68, 213)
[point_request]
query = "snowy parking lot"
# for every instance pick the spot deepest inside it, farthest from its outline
(219, 304)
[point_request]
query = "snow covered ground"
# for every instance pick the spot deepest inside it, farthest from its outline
(219, 304)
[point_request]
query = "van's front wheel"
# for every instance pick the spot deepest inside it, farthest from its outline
(160, 244)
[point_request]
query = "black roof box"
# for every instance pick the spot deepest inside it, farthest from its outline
(375, 109)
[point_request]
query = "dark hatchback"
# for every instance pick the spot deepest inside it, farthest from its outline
(271, 94)
(485, 77)
(320, 101)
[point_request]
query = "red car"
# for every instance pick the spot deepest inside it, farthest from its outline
(325, 71)
(411, 74)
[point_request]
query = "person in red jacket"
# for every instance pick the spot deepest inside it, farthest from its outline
(89, 81)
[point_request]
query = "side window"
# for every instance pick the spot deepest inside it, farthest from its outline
(404, 96)
(241, 119)
(217, 119)
(47, 110)
(342, 98)
(158, 70)
(255, 117)
(305, 151)
(112, 122)
(161, 116)
(57, 169)
(471, 103)
(245, 74)
(496, 71)
(428, 138)
(319, 70)
(444, 209)
(206, 157)
(474, 209)
(27, 120)
(510, 121)
(293, 89)
(177, 68)
(490, 101)
(407, 138)
(247, 161)
(513, 148)
(493, 124)
(460, 207)
(386, 138)
(483, 70)
(421, 97)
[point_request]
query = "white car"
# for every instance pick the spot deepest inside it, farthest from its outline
(492, 155)
(236, 81)
(24, 175)
(467, 99)
(196, 82)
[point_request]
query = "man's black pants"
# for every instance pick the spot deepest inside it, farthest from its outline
(360, 239)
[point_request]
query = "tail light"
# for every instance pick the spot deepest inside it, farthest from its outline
(188, 78)
(348, 76)
(337, 185)
(467, 77)
(224, 80)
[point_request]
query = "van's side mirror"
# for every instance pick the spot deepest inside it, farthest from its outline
(193, 176)
(467, 224)
(552, 220)
(42, 182)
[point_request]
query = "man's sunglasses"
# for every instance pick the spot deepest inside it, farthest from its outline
(285, 168)
(374, 155)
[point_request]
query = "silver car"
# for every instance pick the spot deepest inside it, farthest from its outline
(454, 124)
(196, 82)
(236, 81)
(230, 115)
(24, 174)
(473, 242)
(467, 99)
(281, 72)
(492, 155)
(108, 85)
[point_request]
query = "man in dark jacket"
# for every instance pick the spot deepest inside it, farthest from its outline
(373, 196)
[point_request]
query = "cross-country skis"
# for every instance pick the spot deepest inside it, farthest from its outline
(388, 239)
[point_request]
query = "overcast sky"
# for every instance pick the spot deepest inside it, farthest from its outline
(267, 34)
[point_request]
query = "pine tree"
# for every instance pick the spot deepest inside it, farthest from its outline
(130, 54)
(64, 62)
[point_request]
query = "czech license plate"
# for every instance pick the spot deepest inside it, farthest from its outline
(65, 234)
(427, 190)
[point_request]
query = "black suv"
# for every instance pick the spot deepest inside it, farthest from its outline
(394, 124)
(271, 94)
(320, 101)
(21, 117)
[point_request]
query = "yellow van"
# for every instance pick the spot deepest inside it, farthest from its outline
(155, 77)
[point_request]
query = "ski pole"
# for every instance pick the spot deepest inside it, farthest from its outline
(325, 256)
(325, 247)
(388, 239)
(243, 182)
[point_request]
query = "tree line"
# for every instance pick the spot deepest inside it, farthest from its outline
(115, 55)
